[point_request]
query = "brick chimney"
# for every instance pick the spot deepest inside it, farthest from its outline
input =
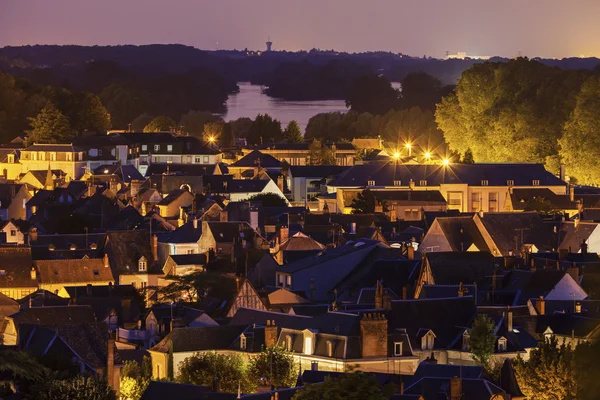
(387, 300)
(284, 233)
(578, 308)
(461, 290)
(105, 260)
(373, 332)
(378, 295)
(134, 187)
(571, 193)
(33, 274)
(455, 388)
(155, 247)
(224, 216)
(270, 334)
(541, 306)
(410, 252)
(509, 320)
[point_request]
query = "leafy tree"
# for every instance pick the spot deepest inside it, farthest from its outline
(123, 103)
(193, 122)
(91, 114)
(264, 129)
(213, 130)
(320, 154)
(549, 373)
(240, 127)
(541, 205)
(50, 126)
(140, 122)
(196, 287)
(227, 137)
(21, 365)
(350, 386)
(78, 388)
(373, 94)
(587, 370)
(269, 199)
(580, 143)
(365, 203)
(159, 124)
(482, 340)
(292, 133)
(422, 90)
(468, 157)
(135, 378)
(219, 371)
(274, 365)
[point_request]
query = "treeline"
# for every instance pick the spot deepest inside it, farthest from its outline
(525, 111)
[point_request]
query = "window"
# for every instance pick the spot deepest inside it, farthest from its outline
(13, 232)
(288, 281)
(493, 202)
(455, 200)
(143, 285)
(190, 251)
(156, 147)
(144, 147)
(308, 345)
(407, 214)
(484, 182)
(197, 160)
(169, 147)
(510, 182)
(42, 156)
(96, 272)
(288, 343)
(536, 183)
(502, 344)
(370, 183)
(397, 183)
(242, 342)
(69, 156)
(93, 152)
(142, 265)
(475, 201)
(11, 158)
(52, 156)
(329, 348)
(397, 349)
(205, 159)
(423, 182)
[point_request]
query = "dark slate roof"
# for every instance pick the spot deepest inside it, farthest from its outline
(251, 160)
(246, 185)
(444, 291)
(15, 267)
(185, 233)
(126, 173)
(439, 388)
(520, 198)
(42, 298)
(101, 291)
(125, 248)
(53, 147)
(197, 339)
(7, 192)
(572, 234)
(189, 259)
(181, 169)
(159, 390)
(316, 171)
(55, 315)
(171, 197)
(384, 174)
(568, 324)
(452, 268)
(225, 232)
(85, 270)
(461, 233)
(447, 318)
(301, 146)
(428, 370)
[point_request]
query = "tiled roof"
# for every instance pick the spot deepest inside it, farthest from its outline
(256, 159)
(86, 270)
(302, 146)
(125, 248)
(452, 268)
(56, 315)
(171, 197)
(16, 262)
(126, 173)
(53, 147)
(181, 169)
(385, 173)
(520, 198)
(300, 242)
(189, 259)
(185, 233)
(7, 193)
(461, 233)
(316, 171)
(246, 185)
(198, 339)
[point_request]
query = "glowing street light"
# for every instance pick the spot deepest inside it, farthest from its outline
(396, 155)
(427, 156)
(211, 139)
(409, 147)
(446, 161)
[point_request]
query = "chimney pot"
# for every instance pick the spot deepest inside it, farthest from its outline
(105, 259)
(578, 308)
(541, 306)
(155, 247)
(455, 388)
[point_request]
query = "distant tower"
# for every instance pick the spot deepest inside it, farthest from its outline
(269, 44)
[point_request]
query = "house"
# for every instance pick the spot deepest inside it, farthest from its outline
(271, 298)
(13, 233)
(64, 157)
(18, 278)
(404, 205)
(54, 316)
(222, 237)
(87, 345)
(13, 198)
(244, 189)
(162, 318)
(54, 275)
(184, 264)
(306, 182)
(183, 240)
(297, 153)
(252, 163)
(44, 179)
(170, 206)
(9, 162)
(466, 187)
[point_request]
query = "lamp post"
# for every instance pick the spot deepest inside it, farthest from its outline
(409, 147)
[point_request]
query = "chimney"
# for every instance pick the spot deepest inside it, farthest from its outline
(571, 193)
(105, 259)
(353, 228)
(401, 387)
(541, 306)
(387, 300)
(455, 388)
(480, 213)
(284, 232)
(378, 295)
(410, 252)
(374, 335)
(33, 273)
(312, 289)
(110, 364)
(224, 216)
(404, 292)
(195, 223)
(411, 184)
(270, 334)
(237, 283)
(562, 173)
(461, 290)
(578, 308)
(181, 219)
(509, 320)
(280, 182)
(314, 366)
(155, 247)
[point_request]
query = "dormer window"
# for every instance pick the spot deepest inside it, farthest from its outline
(11, 158)
(502, 345)
(423, 182)
(156, 147)
(370, 183)
(169, 147)
(484, 182)
(144, 147)
(535, 182)
(427, 341)
(397, 183)
(142, 265)
(242, 342)
(466, 341)
(510, 182)
(397, 349)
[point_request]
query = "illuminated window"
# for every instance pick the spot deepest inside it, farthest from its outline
(423, 182)
(329, 348)
(493, 202)
(142, 265)
(156, 147)
(308, 345)
(475, 202)
(242, 342)
(205, 159)
(502, 345)
(397, 349)
(484, 182)
(510, 183)
(370, 183)
(536, 183)
(144, 147)
(397, 183)
(169, 147)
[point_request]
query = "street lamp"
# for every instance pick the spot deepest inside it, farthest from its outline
(427, 156)
(409, 147)
(396, 155)
(211, 139)
(446, 161)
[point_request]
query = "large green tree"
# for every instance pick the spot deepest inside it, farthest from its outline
(549, 373)
(91, 115)
(373, 94)
(320, 154)
(140, 122)
(269, 199)
(482, 340)
(160, 124)
(219, 371)
(366, 202)
(50, 126)
(135, 378)
(275, 365)
(587, 370)
(264, 129)
(580, 143)
(194, 122)
(78, 388)
(292, 133)
(350, 386)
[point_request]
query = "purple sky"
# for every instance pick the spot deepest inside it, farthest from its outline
(547, 28)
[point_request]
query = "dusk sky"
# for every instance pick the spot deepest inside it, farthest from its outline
(546, 28)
